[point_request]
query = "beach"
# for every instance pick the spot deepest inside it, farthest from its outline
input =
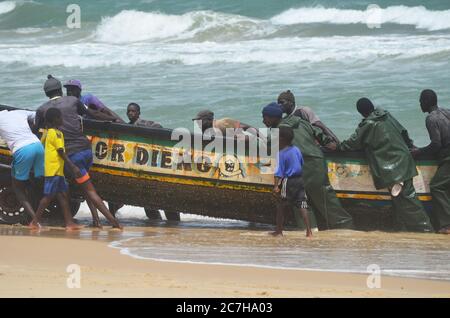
(33, 266)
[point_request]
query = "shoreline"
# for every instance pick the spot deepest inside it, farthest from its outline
(36, 267)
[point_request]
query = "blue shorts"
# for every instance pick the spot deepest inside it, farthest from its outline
(54, 185)
(28, 158)
(83, 160)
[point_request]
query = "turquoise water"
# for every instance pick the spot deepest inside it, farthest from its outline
(178, 57)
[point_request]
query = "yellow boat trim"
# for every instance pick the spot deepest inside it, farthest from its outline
(5, 152)
(377, 197)
(178, 180)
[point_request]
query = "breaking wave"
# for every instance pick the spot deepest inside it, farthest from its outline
(268, 51)
(419, 17)
(135, 26)
(7, 6)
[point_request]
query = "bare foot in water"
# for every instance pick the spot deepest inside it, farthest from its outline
(445, 230)
(97, 226)
(118, 228)
(35, 226)
(309, 235)
(73, 227)
(276, 233)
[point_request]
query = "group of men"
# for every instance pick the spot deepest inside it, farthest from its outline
(20, 128)
(390, 154)
(389, 150)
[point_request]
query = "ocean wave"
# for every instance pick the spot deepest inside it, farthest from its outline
(269, 51)
(7, 6)
(419, 17)
(135, 26)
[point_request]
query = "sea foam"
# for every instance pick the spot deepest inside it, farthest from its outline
(419, 17)
(7, 6)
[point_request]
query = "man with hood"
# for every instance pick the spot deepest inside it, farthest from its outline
(384, 141)
(322, 198)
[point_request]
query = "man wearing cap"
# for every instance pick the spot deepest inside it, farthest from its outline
(78, 147)
(380, 136)
(326, 206)
(74, 88)
(287, 101)
(205, 120)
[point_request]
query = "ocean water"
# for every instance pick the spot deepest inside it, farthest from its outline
(178, 57)
(400, 254)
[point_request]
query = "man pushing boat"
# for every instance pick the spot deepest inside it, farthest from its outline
(385, 143)
(438, 126)
(325, 205)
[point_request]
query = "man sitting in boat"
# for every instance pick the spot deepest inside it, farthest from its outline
(134, 113)
(287, 101)
(326, 206)
(438, 125)
(74, 88)
(390, 162)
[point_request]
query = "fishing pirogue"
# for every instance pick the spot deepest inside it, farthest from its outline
(135, 166)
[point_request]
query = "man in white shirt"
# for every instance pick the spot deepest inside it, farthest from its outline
(27, 151)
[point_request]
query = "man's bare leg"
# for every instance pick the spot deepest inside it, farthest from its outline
(91, 194)
(94, 212)
(304, 214)
(43, 204)
(19, 188)
(63, 201)
(281, 209)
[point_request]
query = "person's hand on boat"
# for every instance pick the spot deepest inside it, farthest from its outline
(332, 146)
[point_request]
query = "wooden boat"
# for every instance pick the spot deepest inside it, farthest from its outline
(135, 166)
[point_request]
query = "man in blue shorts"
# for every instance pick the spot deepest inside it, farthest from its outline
(27, 151)
(77, 146)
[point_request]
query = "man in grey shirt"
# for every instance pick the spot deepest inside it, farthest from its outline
(438, 126)
(287, 101)
(78, 147)
(134, 113)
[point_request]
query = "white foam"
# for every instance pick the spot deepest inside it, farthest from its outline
(134, 26)
(419, 17)
(28, 30)
(7, 6)
(134, 253)
(270, 51)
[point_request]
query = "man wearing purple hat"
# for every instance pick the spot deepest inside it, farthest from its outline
(74, 88)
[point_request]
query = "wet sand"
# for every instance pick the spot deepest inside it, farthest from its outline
(35, 266)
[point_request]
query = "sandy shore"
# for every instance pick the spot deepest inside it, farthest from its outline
(36, 267)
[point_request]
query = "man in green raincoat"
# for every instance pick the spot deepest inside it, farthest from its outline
(322, 198)
(438, 126)
(385, 142)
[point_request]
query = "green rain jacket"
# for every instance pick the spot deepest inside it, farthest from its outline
(381, 137)
(308, 137)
